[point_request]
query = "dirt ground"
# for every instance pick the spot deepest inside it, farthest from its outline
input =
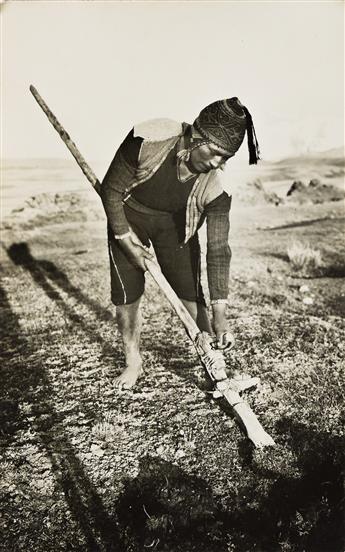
(165, 467)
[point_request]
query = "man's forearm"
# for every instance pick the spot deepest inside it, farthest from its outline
(219, 317)
(218, 269)
(116, 182)
(113, 206)
(218, 249)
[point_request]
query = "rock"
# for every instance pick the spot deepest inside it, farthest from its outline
(96, 450)
(180, 454)
(297, 185)
(308, 300)
(229, 424)
(304, 288)
(315, 192)
(85, 455)
(41, 483)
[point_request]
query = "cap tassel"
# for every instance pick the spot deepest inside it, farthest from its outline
(253, 146)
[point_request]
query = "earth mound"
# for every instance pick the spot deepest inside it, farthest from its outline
(51, 208)
(314, 192)
(254, 193)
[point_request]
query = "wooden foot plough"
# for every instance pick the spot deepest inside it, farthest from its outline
(211, 358)
(214, 363)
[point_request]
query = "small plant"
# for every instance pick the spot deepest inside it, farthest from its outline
(104, 431)
(303, 257)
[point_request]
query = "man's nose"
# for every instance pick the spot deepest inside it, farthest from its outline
(216, 162)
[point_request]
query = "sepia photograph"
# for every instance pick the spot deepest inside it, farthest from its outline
(172, 276)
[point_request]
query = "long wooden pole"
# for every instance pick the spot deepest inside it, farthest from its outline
(90, 175)
(255, 431)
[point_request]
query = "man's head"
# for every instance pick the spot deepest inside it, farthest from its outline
(222, 126)
(207, 156)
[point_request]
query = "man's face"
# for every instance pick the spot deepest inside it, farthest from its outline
(207, 157)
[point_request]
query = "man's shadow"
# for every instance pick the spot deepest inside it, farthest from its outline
(26, 381)
(45, 273)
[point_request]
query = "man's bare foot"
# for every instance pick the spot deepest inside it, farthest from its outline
(129, 377)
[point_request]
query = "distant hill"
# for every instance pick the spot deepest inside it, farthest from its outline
(32, 163)
(334, 156)
(334, 152)
(327, 166)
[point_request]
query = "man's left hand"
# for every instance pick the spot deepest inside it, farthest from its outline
(225, 339)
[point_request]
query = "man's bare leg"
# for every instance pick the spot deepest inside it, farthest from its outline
(129, 323)
(199, 314)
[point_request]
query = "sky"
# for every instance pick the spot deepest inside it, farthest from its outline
(103, 66)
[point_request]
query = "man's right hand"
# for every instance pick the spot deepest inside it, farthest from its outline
(136, 253)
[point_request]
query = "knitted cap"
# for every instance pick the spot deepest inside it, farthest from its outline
(224, 123)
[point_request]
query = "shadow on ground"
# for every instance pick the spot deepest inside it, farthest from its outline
(301, 224)
(304, 508)
(166, 509)
(27, 381)
(44, 273)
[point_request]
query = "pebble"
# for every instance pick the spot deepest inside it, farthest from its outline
(96, 450)
(180, 454)
(40, 483)
(304, 288)
(308, 300)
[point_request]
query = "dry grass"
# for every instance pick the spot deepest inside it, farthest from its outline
(303, 257)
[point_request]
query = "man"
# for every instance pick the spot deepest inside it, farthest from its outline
(162, 184)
